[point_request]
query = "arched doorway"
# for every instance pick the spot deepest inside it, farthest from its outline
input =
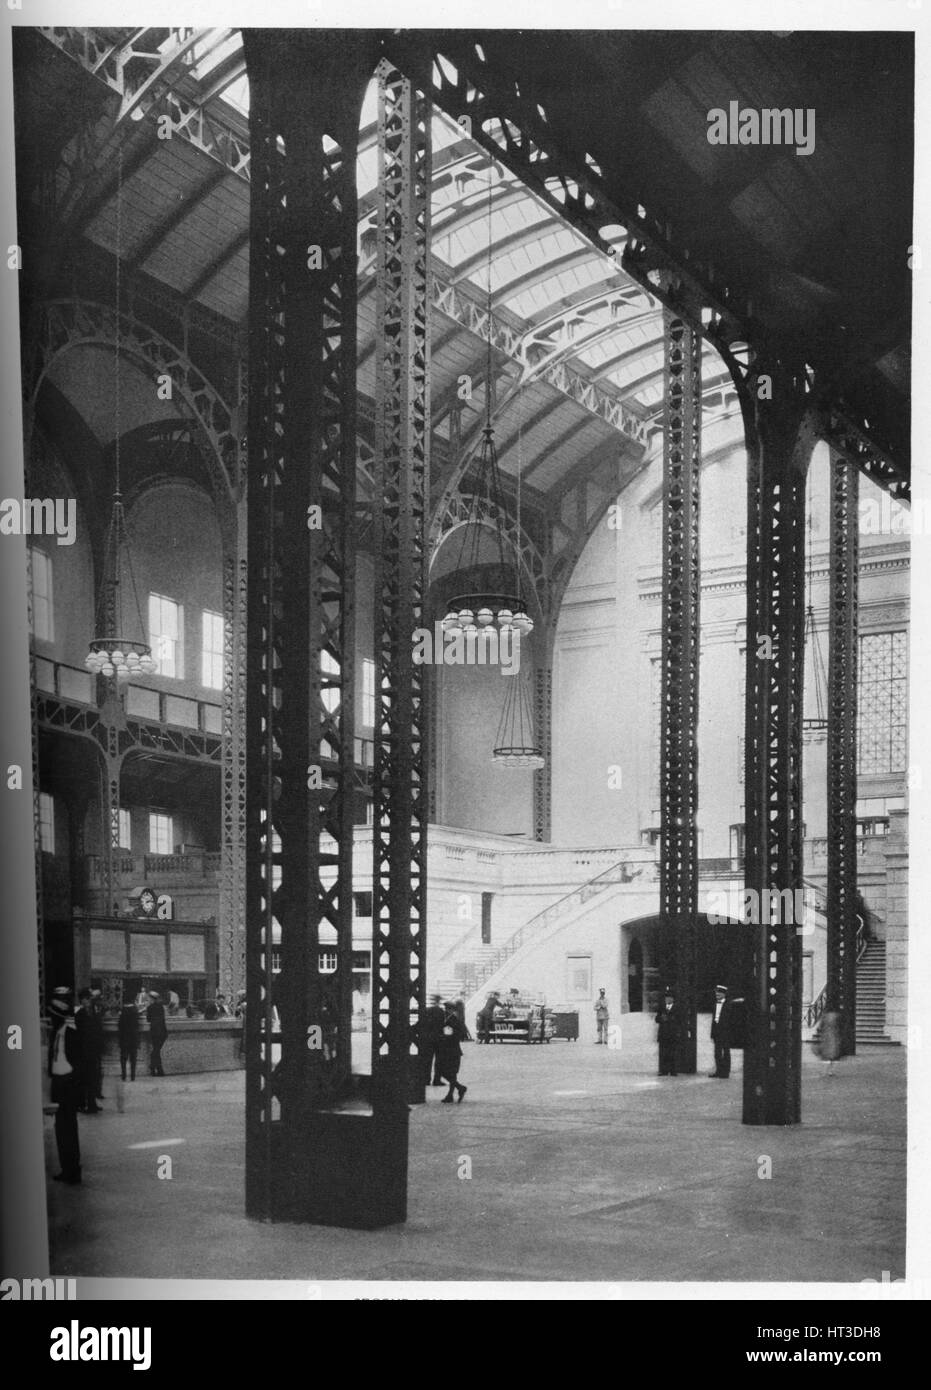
(635, 977)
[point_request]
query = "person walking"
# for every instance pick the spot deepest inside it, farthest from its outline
(241, 1015)
(158, 1032)
(459, 1004)
(96, 1013)
(127, 1029)
(721, 1033)
(87, 1076)
(829, 1047)
(434, 1016)
(601, 1017)
(449, 1055)
(65, 1067)
(668, 1035)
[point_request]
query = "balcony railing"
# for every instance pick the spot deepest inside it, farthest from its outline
(155, 868)
(75, 684)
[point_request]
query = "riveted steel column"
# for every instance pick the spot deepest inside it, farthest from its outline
(233, 843)
(842, 751)
(402, 475)
(307, 1158)
(779, 443)
(543, 730)
(679, 668)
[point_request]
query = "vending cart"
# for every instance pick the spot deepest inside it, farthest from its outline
(519, 1020)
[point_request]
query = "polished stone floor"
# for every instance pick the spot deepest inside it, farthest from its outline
(585, 1165)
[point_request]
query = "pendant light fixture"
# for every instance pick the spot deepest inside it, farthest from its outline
(499, 604)
(113, 653)
(516, 747)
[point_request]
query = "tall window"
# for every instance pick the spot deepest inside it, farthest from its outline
(165, 635)
(368, 693)
(42, 621)
(211, 660)
(46, 823)
(126, 829)
(882, 703)
(161, 833)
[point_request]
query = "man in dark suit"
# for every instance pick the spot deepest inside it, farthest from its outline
(87, 1079)
(434, 1016)
(158, 1032)
(668, 1035)
(721, 1033)
(66, 1069)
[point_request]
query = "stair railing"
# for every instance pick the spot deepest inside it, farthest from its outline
(621, 872)
(816, 1007)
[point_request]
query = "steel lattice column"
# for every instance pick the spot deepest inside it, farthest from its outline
(233, 844)
(779, 443)
(679, 667)
(402, 478)
(842, 751)
(306, 1158)
(543, 729)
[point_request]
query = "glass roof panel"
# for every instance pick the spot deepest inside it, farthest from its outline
(539, 298)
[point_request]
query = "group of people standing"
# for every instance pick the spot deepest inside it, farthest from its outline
(670, 1028)
(443, 1031)
(75, 1060)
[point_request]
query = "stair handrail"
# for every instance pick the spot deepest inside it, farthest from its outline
(575, 896)
(816, 1007)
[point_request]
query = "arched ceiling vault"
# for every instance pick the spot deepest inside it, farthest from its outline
(577, 342)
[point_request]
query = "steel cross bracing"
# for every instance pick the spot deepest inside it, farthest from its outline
(402, 472)
(132, 735)
(307, 1159)
(524, 347)
(679, 673)
(72, 323)
(507, 122)
(842, 751)
(781, 434)
(159, 81)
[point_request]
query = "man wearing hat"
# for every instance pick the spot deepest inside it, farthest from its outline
(431, 1031)
(65, 1066)
(668, 1035)
(721, 1033)
(158, 1032)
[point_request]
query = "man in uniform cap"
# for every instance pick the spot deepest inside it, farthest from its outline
(721, 1033)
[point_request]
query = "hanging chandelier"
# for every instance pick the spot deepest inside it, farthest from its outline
(113, 653)
(500, 604)
(515, 744)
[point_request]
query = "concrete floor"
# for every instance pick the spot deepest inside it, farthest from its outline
(585, 1166)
